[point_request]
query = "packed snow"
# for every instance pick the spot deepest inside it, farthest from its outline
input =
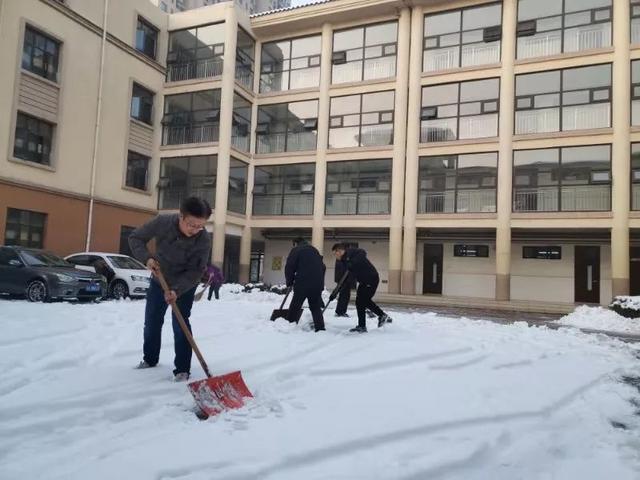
(425, 397)
(627, 302)
(603, 319)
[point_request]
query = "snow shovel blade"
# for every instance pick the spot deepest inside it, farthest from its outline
(216, 394)
(279, 313)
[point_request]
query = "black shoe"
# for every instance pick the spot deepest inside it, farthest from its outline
(359, 329)
(382, 319)
(344, 315)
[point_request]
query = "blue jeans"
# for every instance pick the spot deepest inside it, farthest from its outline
(154, 312)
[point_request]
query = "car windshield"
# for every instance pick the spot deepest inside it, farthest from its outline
(35, 258)
(127, 263)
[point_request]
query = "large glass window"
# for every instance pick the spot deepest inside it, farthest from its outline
(360, 187)
(365, 53)
(287, 127)
(290, 64)
(241, 123)
(635, 176)
(462, 38)
(137, 170)
(146, 38)
(181, 177)
(457, 111)
(284, 189)
(33, 139)
(635, 21)
(40, 54)
(550, 27)
(195, 53)
(361, 120)
(568, 179)
(559, 100)
(25, 228)
(245, 59)
(458, 183)
(635, 92)
(191, 117)
(237, 196)
(142, 104)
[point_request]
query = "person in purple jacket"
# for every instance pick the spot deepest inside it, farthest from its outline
(214, 278)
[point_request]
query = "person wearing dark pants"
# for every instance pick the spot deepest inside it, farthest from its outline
(181, 254)
(356, 261)
(154, 312)
(345, 292)
(304, 271)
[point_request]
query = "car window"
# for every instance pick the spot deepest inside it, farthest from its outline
(78, 260)
(6, 255)
(36, 258)
(126, 263)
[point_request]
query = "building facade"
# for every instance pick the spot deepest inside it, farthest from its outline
(473, 148)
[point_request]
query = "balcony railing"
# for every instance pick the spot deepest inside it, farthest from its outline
(244, 75)
(280, 142)
(210, 67)
(373, 135)
(635, 30)
(574, 198)
(479, 126)
(443, 130)
(236, 202)
(541, 44)
(191, 133)
(585, 37)
(441, 59)
(382, 67)
(374, 203)
(580, 117)
(538, 121)
(468, 201)
(171, 198)
(472, 54)
(635, 197)
(240, 142)
(289, 204)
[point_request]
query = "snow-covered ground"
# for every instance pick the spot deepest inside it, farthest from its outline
(599, 318)
(427, 397)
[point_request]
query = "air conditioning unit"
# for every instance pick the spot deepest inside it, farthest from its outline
(339, 58)
(163, 183)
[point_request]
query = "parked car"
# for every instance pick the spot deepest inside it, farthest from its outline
(41, 276)
(126, 276)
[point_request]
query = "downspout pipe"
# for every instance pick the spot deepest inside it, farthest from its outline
(96, 135)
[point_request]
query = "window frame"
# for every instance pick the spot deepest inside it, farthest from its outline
(40, 123)
(241, 60)
(290, 59)
(43, 72)
(147, 25)
(142, 117)
(359, 179)
(128, 171)
(282, 193)
(263, 128)
(31, 228)
(189, 178)
(191, 114)
(217, 58)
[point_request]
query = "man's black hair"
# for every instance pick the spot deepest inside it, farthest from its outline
(299, 241)
(338, 246)
(195, 207)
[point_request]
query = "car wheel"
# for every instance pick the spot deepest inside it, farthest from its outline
(119, 290)
(37, 291)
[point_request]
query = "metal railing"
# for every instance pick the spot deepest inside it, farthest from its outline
(180, 71)
(191, 133)
(373, 135)
(480, 54)
(635, 197)
(244, 75)
(240, 142)
(374, 203)
(585, 37)
(580, 117)
(478, 126)
(382, 67)
(442, 130)
(482, 200)
(277, 204)
(573, 198)
(538, 121)
(280, 142)
(171, 198)
(635, 30)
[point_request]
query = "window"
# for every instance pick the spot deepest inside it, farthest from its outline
(125, 232)
(635, 176)
(290, 64)
(8, 257)
(635, 21)
(458, 183)
(195, 53)
(471, 251)
(40, 54)
(237, 197)
(25, 228)
(287, 127)
(163, 7)
(457, 111)
(33, 139)
(361, 120)
(551, 27)
(365, 53)
(462, 38)
(245, 59)
(561, 100)
(360, 187)
(181, 177)
(142, 104)
(146, 38)
(568, 179)
(542, 253)
(635, 92)
(284, 189)
(191, 117)
(137, 170)
(241, 123)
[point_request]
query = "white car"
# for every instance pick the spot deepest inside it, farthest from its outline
(130, 278)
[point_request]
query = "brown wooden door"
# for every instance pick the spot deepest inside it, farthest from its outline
(587, 274)
(432, 276)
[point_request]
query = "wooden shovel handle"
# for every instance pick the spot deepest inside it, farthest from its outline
(183, 324)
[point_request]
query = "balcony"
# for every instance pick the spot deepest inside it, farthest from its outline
(298, 204)
(376, 135)
(541, 44)
(281, 142)
(171, 198)
(244, 75)
(178, 72)
(480, 54)
(468, 201)
(538, 121)
(374, 203)
(574, 198)
(480, 126)
(635, 30)
(585, 37)
(635, 196)
(190, 133)
(580, 117)
(472, 54)
(442, 130)
(374, 68)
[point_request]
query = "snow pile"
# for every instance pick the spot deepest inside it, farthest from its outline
(599, 318)
(425, 397)
(627, 302)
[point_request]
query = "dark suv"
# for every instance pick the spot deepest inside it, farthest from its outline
(42, 276)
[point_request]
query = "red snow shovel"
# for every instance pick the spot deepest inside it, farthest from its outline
(213, 394)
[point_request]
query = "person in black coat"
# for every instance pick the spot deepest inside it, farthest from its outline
(367, 277)
(304, 271)
(345, 292)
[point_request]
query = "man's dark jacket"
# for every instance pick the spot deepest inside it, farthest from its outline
(304, 268)
(359, 265)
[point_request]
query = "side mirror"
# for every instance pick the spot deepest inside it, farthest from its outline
(15, 263)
